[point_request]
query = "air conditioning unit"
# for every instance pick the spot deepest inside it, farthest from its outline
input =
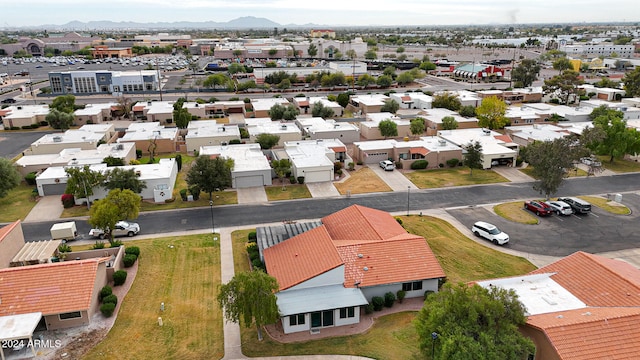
(283, 127)
(57, 139)
(442, 142)
(120, 147)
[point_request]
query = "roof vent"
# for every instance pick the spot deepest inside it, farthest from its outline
(57, 139)
(588, 313)
(360, 256)
(283, 127)
(366, 268)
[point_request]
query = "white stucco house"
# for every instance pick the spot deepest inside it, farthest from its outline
(496, 147)
(250, 166)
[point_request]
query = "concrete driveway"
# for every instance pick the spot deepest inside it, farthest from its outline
(252, 195)
(323, 189)
(395, 179)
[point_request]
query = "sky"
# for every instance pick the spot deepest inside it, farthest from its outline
(16, 13)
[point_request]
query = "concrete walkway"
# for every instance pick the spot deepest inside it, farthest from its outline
(323, 189)
(512, 174)
(395, 179)
(47, 208)
(252, 195)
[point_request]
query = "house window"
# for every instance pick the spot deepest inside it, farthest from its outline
(297, 319)
(70, 315)
(411, 286)
(347, 312)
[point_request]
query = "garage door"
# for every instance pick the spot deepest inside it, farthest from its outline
(376, 158)
(317, 176)
(248, 181)
(54, 189)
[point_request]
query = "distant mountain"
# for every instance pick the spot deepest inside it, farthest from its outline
(246, 22)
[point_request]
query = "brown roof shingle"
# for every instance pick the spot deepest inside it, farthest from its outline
(52, 288)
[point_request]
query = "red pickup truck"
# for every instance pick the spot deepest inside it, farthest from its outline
(538, 207)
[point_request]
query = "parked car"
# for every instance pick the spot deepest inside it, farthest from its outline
(538, 207)
(560, 207)
(122, 228)
(490, 232)
(387, 165)
(578, 205)
(9, 101)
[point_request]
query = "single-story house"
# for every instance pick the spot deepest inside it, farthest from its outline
(250, 166)
(11, 241)
(160, 179)
(369, 127)
(582, 306)
(287, 131)
(151, 134)
(93, 113)
(606, 94)
(23, 115)
(328, 273)
(433, 149)
(56, 142)
(218, 109)
(569, 113)
(305, 104)
(628, 112)
(412, 100)
(313, 159)
(261, 107)
(108, 130)
(319, 128)
(527, 134)
(154, 111)
(496, 147)
(74, 156)
(515, 96)
(371, 103)
(433, 120)
(466, 97)
(209, 133)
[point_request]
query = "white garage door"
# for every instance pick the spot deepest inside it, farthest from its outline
(376, 158)
(317, 176)
(248, 181)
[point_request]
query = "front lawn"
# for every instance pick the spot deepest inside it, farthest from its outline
(619, 165)
(575, 172)
(183, 272)
(516, 212)
(289, 192)
(459, 176)
(362, 181)
(18, 203)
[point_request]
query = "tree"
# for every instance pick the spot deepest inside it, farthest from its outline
(118, 205)
(370, 55)
(64, 103)
(365, 80)
(281, 168)
(390, 105)
(276, 112)
(82, 180)
(120, 178)
(59, 120)
(491, 113)
(605, 82)
(384, 81)
(9, 176)
(447, 100)
(113, 161)
(125, 105)
(343, 99)
(631, 82)
(427, 66)
(563, 85)
(319, 110)
(290, 112)
(235, 68)
(181, 117)
(449, 123)
(562, 64)
(267, 141)
(215, 80)
(417, 126)
(312, 50)
(473, 322)
(526, 72)
(400, 49)
(467, 111)
(618, 140)
(472, 156)
(551, 161)
(250, 296)
(405, 78)
(351, 54)
(210, 174)
(388, 128)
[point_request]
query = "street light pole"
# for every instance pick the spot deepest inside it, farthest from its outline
(213, 224)
(408, 195)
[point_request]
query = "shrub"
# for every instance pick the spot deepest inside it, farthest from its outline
(441, 165)
(132, 250)
(44, 123)
(138, 153)
(104, 292)
(378, 303)
(427, 293)
(25, 127)
(110, 299)
(129, 260)
(351, 166)
(183, 194)
(359, 162)
(389, 299)
(300, 179)
(195, 191)
(398, 220)
(35, 126)
(67, 201)
(400, 294)
(98, 245)
(368, 309)
(252, 236)
(398, 165)
(257, 264)
(119, 277)
(115, 243)
(337, 166)
(339, 172)
(179, 162)
(134, 162)
(292, 179)
(452, 162)
(107, 309)
(419, 164)
(169, 200)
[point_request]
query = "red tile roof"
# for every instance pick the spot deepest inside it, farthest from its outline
(303, 103)
(405, 98)
(592, 333)
(302, 257)
(418, 150)
(138, 108)
(48, 288)
(7, 229)
(504, 138)
(339, 149)
(596, 280)
(361, 223)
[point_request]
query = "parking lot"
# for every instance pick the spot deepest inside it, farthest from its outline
(556, 235)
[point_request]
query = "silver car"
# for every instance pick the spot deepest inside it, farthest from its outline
(560, 207)
(122, 228)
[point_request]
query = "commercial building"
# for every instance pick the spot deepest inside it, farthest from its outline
(103, 82)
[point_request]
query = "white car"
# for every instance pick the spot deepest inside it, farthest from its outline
(122, 228)
(560, 207)
(490, 232)
(387, 165)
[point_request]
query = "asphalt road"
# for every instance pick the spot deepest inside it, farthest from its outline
(13, 143)
(244, 215)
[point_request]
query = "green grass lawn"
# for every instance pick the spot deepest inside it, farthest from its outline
(290, 192)
(427, 179)
(572, 173)
(605, 205)
(516, 212)
(185, 277)
(619, 165)
(394, 336)
(17, 204)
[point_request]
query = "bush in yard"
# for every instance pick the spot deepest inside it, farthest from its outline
(129, 260)
(104, 292)
(292, 179)
(30, 178)
(132, 250)
(98, 245)
(195, 191)
(401, 294)
(138, 153)
(452, 162)
(389, 299)
(119, 277)
(300, 179)
(116, 243)
(337, 166)
(368, 309)
(179, 162)
(107, 309)
(257, 264)
(377, 302)
(351, 166)
(252, 236)
(110, 299)
(419, 164)
(183, 194)
(427, 293)
(67, 200)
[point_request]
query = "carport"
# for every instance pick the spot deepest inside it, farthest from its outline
(18, 327)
